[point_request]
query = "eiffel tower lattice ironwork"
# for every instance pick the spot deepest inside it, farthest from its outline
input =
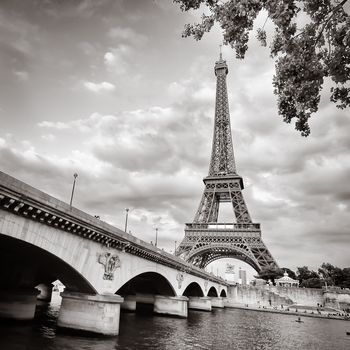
(205, 239)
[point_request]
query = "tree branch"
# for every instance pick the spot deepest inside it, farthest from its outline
(333, 11)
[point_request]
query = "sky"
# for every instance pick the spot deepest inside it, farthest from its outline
(111, 91)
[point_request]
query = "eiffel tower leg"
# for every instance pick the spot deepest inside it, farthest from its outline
(213, 217)
(263, 256)
(239, 207)
(208, 208)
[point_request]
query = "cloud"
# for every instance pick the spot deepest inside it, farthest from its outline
(87, 47)
(84, 9)
(109, 58)
(117, 59)
(177, 90)
(53, 125)
(99, 87)
(94, 122)
(147, 159)
(21, 75)
(48, 137)
(124, 43)
(143, 194)
(18, 157)
(2, 143)
(19, 33)
(129, 35)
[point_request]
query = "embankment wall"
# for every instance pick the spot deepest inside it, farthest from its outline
(339, 299)
(274, 296)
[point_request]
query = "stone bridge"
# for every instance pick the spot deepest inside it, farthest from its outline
(104, 269)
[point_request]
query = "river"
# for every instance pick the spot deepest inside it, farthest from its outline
(220, 329)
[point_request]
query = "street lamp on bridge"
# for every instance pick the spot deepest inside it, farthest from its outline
(126, 219)
(75, 175)
(156, 243)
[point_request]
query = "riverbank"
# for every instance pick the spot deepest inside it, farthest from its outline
(288, 311)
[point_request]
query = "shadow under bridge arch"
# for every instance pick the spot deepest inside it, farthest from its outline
(147, 283)
(223, 293)
(193, 290)
(212, 292)
(25, 265)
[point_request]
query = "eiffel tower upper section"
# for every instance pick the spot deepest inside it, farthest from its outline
(205, 238)
(222, 157)
(222, 168)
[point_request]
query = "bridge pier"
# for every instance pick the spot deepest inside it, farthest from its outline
(199, 303)
(129, 303)
(173, 306)
(45, 291)
(18, 304)
(91, 313)
(217, 302)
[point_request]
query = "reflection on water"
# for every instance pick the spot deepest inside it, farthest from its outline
(220, 329)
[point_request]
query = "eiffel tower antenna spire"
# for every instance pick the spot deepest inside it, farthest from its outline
(220, 57)
(206, 239)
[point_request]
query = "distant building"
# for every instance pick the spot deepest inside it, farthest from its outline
(286, 281)
(242, 276)
(230, 273)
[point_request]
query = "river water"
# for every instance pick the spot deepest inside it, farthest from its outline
(219, 329)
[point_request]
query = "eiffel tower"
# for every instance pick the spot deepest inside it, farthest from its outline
(205, 238)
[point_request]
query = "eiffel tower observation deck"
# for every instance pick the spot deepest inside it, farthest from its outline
(206, 239)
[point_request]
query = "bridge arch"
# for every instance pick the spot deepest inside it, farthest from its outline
(193, 290)
(223, 293)
(147, 283)
(25, 265)
(212, 292)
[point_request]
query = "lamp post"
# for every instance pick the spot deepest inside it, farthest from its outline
(175, 248)
(71, 197)
(156, 243)
(126, 219)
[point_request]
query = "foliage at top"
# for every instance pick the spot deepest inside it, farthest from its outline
(310, 41)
